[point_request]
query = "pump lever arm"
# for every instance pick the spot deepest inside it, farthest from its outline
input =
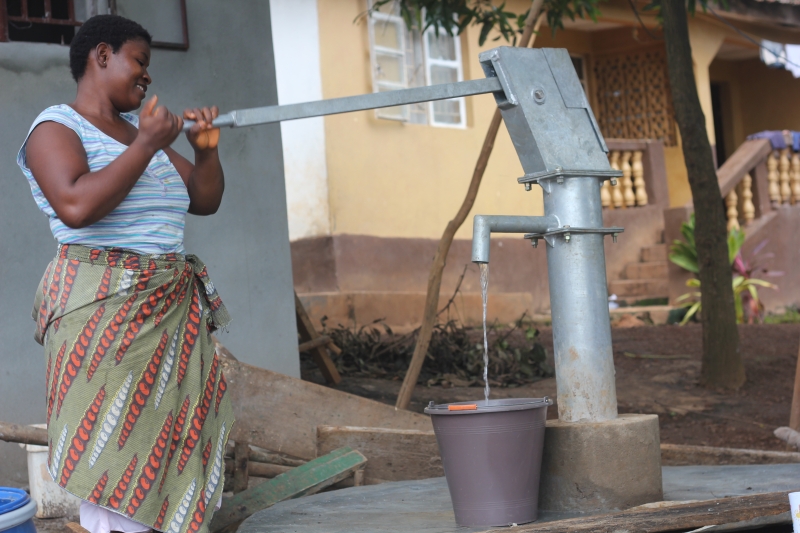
(347, 104)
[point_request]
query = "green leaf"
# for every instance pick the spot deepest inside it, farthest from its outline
(684, 261)
(736, 239)
(690, 313)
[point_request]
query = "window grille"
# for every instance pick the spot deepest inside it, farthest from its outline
(43, 21)
(633, 96)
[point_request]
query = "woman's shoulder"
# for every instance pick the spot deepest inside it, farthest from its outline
(61, 113)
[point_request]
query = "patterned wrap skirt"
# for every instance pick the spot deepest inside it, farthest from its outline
(137, 416)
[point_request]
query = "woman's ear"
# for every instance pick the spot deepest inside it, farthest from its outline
(102, 53)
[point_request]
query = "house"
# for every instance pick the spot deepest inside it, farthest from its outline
(211, 53)
(370, 193)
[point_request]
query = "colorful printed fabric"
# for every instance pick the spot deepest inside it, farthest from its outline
(137, 415)
(151, 218)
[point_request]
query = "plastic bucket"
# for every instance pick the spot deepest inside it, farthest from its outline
(16, 511)
(492, 458)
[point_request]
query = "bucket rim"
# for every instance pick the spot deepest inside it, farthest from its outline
(481, 406)
(18, 517)
(12, 498)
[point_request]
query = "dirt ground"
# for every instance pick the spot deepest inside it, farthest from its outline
(688, 413)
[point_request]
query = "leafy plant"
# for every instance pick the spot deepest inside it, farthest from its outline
(684, 253)
(454, 16)
(745, 286)
(455, 354)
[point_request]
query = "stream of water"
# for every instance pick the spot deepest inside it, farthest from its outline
(485, 296)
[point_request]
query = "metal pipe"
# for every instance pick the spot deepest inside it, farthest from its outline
(576, 270)
(347, 104)
(484, 225)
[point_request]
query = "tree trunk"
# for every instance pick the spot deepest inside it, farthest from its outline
(722, 361)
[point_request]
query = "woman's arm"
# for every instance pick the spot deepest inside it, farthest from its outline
(80, 197)
(204, 180)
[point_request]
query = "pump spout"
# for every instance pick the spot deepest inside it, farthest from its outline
(484, 225)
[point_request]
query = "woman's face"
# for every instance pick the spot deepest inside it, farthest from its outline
(126, 75)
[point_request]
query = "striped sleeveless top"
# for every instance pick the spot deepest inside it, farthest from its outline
(150, 220)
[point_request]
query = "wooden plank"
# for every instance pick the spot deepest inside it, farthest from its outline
(281, 413)
(23, 434)
(301, 481)
(254, 469)
(74, 527)
(322, 340)
(660, 519)
(392, 454)
(682, 454)
(308, 333)
(264, 456)
(241, 453)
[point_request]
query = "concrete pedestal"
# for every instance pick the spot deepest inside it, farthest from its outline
(601, 466)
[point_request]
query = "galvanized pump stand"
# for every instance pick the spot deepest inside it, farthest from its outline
(562, 150)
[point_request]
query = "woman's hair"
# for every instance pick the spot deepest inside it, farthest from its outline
(110, 29)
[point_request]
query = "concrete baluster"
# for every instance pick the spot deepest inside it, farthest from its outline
(733, 213)
(638, 178)
(748, 209)
(786, 191)
(616, 190)
(795, 178)
(772, 178)
(627, 184)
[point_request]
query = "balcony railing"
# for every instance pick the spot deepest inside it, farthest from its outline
(644, 180)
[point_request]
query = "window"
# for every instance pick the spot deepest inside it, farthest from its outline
(402, 58)
(164, 19)
(388, 54)
(41, 21)
(443, 65)
(579, 62)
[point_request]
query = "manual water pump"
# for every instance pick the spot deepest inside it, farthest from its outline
(594, 459)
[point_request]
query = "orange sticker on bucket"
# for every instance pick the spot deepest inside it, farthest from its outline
(469, 407)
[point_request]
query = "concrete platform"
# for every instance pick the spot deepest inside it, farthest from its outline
(424, 506)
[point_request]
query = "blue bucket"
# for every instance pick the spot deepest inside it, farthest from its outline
(16, 511)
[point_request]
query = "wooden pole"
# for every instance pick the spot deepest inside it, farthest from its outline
(240, 467)
(309, 341)
(671, 518)
(532, 23)
(23, 434)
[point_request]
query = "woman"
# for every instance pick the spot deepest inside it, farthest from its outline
(137, 414)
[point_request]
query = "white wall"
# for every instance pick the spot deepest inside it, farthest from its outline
(295, 31)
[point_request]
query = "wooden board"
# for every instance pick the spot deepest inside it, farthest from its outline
(677, 517)
(392, 454)
(683, 454)
(301, 481)
(281, 413)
